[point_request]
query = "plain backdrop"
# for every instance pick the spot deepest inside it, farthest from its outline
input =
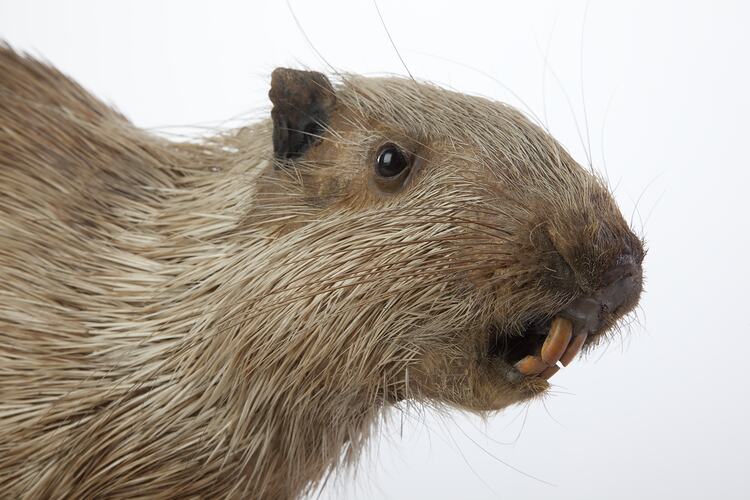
(656, 93)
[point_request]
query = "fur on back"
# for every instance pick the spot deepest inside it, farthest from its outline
(106, 231)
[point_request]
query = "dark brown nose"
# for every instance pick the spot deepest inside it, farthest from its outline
(621, 286)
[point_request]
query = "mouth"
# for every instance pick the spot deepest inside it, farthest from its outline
(546, 346)
(541, 349)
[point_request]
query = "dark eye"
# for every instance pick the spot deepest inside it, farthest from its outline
(391, 161)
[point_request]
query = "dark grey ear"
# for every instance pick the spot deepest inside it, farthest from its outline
(302, 103)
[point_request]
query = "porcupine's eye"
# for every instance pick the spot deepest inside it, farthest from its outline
(391, 161)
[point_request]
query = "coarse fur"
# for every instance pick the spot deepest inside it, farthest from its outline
(208, 319)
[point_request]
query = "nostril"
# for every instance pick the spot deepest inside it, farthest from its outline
(620, 291)
(625, 266)
(620, 285)
(620, 282)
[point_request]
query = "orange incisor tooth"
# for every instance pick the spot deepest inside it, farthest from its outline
(557, 340)
(546, 374)
(573, 349)
(531, 365)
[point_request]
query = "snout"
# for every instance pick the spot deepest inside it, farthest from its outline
(588, 268)
(545, 347)
(621, 287)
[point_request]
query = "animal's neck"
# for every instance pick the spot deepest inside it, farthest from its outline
(238, 368)
(199, 368)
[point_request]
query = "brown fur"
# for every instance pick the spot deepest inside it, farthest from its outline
(184, 319)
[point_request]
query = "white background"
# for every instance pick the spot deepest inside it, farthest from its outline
(664, 412)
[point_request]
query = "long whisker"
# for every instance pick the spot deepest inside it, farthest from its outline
(583, 94)
(572, 111)
(544, 74)
(393, 44)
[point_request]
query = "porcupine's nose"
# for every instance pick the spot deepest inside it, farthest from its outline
(621, 285)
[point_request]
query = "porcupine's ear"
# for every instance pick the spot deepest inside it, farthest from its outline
(302, 103)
